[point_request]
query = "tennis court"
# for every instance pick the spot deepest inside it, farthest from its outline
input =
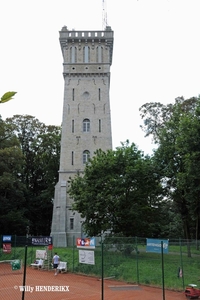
(43, 285)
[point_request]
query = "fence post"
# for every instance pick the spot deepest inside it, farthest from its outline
(181, 262)
(137, 267)
(102, 271)
(163, 276)
(73, 249)
(15, 247)
(24, 277)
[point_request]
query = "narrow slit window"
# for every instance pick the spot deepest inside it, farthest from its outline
(72, 158)
(71, 223)
(99, 94)
(72, 94)
(72, 126)
(99, 125)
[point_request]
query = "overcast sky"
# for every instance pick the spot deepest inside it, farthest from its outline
(156, 56)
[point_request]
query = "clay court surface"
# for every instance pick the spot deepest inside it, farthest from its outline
(75, 287)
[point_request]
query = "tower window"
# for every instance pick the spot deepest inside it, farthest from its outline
(99, 125)
(73, 126)
(99, 54)
(72, 158)
(86, 54)
(99, 94)
(86, 125)
(71, 223)
(86, 156)
(73, 94)
(73, 54)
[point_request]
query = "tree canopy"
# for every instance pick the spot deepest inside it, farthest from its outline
(176, 129)
(30, 153)
(118, 192)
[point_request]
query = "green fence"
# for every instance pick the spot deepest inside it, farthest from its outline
(126, 259)
(123, 259)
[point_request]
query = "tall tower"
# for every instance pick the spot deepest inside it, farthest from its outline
(86, 122)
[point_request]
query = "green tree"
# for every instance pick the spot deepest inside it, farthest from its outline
(117, 192)
(188, 146)
(178, 157)
(12, 191)
(40, 145)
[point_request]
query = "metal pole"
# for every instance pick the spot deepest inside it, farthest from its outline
(73, 251)
(15, 247)
(136, 249)
(102, 272)
(24, 278)
(163, 277)
(181, 258)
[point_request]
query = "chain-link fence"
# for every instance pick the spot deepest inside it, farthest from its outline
(128, 260)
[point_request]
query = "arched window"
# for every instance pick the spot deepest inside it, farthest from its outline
(86, 125)
(86, 54)
(73, 54)
(86, 156)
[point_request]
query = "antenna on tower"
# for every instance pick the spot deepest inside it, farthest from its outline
(104, 15)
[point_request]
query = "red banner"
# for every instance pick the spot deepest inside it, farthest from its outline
(7, 248)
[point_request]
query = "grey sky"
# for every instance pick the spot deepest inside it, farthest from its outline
(155, 57)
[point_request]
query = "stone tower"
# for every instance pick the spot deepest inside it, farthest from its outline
(86, 122)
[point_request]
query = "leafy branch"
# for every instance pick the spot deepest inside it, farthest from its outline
(7, 97)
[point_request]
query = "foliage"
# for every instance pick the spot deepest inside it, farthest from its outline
(176, 129)
(7, 97)
(39, 146)
(12, 190)
(118, 192)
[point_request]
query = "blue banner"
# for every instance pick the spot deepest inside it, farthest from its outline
(154, 245)
(7, 238)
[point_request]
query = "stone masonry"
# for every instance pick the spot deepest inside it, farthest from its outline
(86, 121)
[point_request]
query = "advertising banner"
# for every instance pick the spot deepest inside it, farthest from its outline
(86, 257)
(88, 243)
(41, 240)
(7, 238)
(41, 254)
(7, 248)
(154, 245)
(16, 265)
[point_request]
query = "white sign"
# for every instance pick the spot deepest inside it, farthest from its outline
(41, 254)
(86, 257)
